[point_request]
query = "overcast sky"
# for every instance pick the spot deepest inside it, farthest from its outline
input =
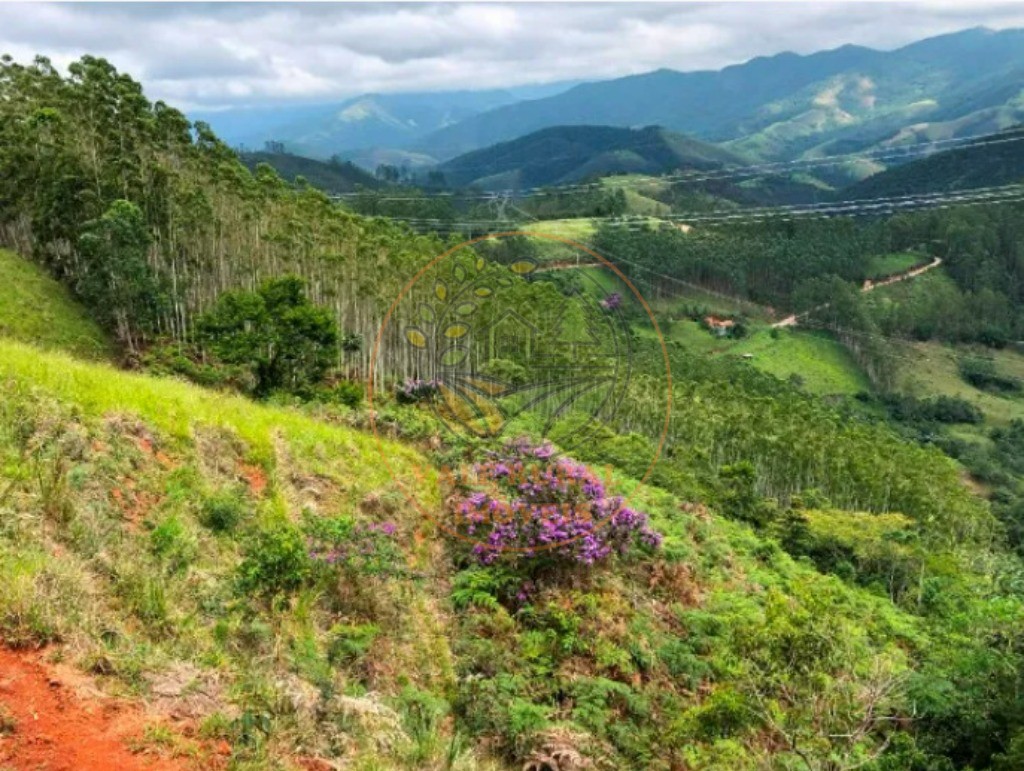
(205, 55)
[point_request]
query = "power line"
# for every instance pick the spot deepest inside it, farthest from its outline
(731, 172)
(755, 214)
(864, 207)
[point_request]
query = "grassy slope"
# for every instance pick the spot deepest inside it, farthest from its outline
(107, 552)
(883, 265)
(116, 564)
(822, 363)
(931, 369)
(35, 308)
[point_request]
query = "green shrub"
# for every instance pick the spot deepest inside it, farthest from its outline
(184, 360)
(724, 714)
(981, 373)
(222, 511)
(275, 561)
(145, 596)
(285, 341)
(350, 642)
(422, 713)
(681, 663)
(173, 543)
(345, 393)
(506, 372)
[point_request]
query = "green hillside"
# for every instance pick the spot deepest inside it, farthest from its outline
(573, 153)
(36, 309)
(752, 554)
(329, 176)
(998, 160)
(169, 548)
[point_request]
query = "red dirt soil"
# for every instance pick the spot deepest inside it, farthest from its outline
(57, 730)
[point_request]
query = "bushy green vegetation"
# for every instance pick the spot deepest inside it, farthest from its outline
(276, 334)
(761, 262)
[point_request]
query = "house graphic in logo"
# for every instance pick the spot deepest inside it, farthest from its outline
(512, 337)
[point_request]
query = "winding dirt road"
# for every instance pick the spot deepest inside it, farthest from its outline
(868, 286)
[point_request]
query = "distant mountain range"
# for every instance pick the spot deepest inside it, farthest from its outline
(364, 124)
(778, 108)
(788, 106)
(572, 153)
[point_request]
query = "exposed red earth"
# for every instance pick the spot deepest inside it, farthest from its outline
(52, 720)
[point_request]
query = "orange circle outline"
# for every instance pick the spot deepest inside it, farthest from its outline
(401, 296)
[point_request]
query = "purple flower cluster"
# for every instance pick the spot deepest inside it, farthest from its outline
(416, 390)
(531, 505)
(612, 301)
(365, 548)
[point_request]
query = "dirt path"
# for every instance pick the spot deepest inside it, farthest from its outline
(565, 265)
(868, 286)
(51, 725)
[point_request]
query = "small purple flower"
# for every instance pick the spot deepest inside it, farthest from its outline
(612, 301)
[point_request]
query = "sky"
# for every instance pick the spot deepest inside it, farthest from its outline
(208, 56)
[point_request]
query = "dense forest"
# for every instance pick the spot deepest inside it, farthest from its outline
(150, 219)
(793, 265)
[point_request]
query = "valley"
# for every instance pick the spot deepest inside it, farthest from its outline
(586, 430)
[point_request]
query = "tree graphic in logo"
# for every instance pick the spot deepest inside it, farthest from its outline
(495, 341)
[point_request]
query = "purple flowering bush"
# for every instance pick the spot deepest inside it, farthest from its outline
(524, 502)
(612, 301)
(415, 390)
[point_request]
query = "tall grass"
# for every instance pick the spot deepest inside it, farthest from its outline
(178, 408)
(35, 308)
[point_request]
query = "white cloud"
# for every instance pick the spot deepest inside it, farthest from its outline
(219, 54)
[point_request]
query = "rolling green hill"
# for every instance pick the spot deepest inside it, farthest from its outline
(170, 539)
(329, 176)
(989, 162)
(34, 308)
(573, 153)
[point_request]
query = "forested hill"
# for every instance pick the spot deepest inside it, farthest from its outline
(994, 160)
(571, 153)
(149, 219)
(330, 176)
